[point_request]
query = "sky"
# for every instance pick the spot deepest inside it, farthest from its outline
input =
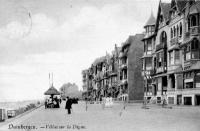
(63, 37)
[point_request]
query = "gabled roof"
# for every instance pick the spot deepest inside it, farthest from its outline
(165, 7)
(99, 60)
(151, 20)
(181, 4)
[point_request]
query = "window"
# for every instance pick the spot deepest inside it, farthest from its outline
(194, 44)
(155, 62)
(163, 38)
(187, 53)
(161, 19)
(194, 49)
(177, 32)
(148, 62)
(171, 58)
(177, 56)
(159, 58)
(180, 30)
(193, 21)
(149, 47)
(174, 31)
(171, 33)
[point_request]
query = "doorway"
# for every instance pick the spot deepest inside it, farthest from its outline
(197, 100)
(179, 99)
(187, 100)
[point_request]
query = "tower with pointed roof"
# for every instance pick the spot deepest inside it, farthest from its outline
(149, 43)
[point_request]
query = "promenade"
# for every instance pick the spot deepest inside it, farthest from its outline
(133, 118)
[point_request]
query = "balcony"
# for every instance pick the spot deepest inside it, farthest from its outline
(152, 72)
(188, 91)
(147, 54)
(174, 41)
(189, 63)
(123, 54)
(160, 69)
(106, 74)
(112, 73)
(123, 66)
(113, 84)
(147, 73)
(161, 46)
(173, 67)
(195, 30)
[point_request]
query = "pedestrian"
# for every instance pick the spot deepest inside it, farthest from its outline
(45, 103)
(68, 105)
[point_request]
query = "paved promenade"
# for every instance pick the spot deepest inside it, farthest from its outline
(133, 118)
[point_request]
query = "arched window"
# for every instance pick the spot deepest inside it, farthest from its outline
(163, 38)
(171, 33)
(174, 31)
(193, 21)
(177, 32)
(194, 44)
(181, 29)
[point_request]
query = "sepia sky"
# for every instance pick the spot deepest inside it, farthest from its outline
(63, 37)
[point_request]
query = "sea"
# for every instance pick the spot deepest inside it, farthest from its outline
(16, 104)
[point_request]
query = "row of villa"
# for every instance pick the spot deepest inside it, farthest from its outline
(114, 75)
(162, 63)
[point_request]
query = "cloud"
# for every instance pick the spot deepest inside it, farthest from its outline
(33, 47)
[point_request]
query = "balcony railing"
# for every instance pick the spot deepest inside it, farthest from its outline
(161, 46)
(188, 63)
(195, 30)
(187, 35)
(123, 66)
(147, 53)
(173, 67)
(173, 41)
(160, 69)
(189, 90)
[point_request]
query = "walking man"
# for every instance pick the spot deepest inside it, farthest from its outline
(68, 105)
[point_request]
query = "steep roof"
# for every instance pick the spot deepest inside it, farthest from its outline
(151, 20)
(52, 91)
(99, 60)
(165, 7)
(195, 8)
(181, 4)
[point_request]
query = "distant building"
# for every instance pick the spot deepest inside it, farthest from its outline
(131, 80)
(117, 74)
